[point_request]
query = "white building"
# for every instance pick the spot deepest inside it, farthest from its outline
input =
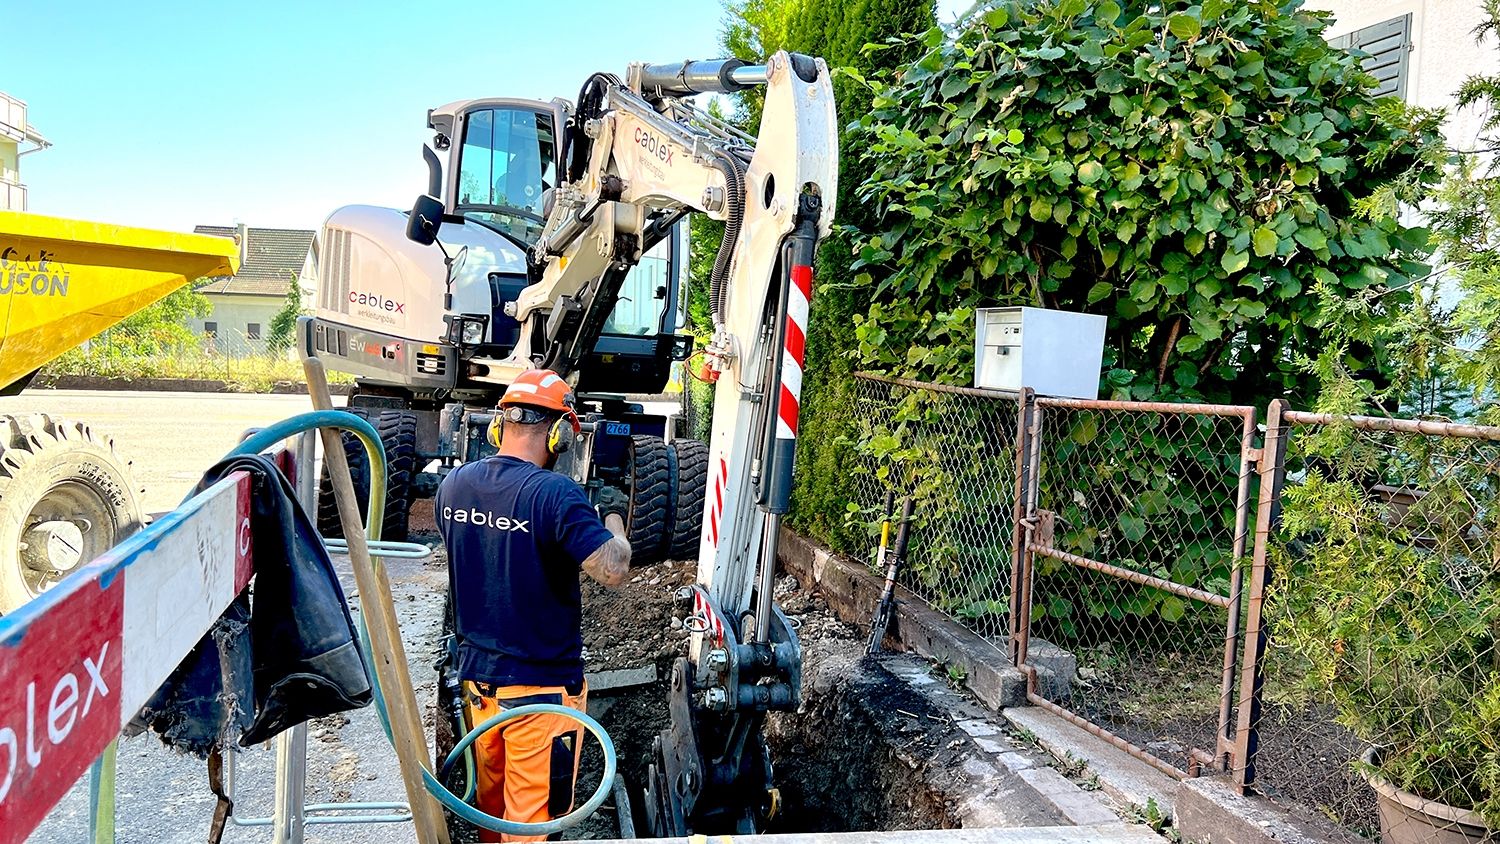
(271, 261)
(15, 134)
(1422, 50)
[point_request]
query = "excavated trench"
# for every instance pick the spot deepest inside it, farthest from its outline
(853, 757)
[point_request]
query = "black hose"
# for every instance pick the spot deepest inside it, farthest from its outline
(734, 197)
(591, 99)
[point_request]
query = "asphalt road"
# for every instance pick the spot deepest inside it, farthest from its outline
(170, 438)
(163, 796)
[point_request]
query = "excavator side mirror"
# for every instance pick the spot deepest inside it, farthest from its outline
(425, 220)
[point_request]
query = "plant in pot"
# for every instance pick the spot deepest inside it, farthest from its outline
(1387, 609)
(1387, 601)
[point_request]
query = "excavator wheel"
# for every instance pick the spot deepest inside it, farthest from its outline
(691, 485)
(650, 499)
(398, 433)
(66, 497)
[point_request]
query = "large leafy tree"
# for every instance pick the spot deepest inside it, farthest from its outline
(1192, 171)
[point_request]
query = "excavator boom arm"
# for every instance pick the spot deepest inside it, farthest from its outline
(647, 158)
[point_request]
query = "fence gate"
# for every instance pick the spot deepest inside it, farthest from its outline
(1127, 607)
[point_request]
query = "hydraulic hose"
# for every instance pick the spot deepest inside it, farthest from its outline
(734, 197)
(375, 451)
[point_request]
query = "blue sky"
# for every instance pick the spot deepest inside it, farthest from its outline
(273, 113)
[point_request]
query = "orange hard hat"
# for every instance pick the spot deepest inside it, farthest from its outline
(545, 390)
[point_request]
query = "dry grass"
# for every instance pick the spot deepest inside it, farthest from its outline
(243, 374)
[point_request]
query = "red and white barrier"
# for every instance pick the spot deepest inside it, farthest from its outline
(78, 662)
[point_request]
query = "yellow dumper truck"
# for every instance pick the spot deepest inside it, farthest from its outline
(65, 495)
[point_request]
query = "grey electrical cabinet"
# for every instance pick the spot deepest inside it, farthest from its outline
(1055, 353)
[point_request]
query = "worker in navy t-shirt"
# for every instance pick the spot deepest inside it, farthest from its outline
(517, 534)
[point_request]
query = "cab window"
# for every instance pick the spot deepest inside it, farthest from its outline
(506, 163)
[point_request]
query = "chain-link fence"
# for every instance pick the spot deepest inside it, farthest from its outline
(161, 349)
(1381, 671)
(1348, 666)
(953, 451)
(1138, 517)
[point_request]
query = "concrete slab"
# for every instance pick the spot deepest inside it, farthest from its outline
(1122, 776)
(1104, 834)
(619, 679)
(1063, 794)
(1210, 811)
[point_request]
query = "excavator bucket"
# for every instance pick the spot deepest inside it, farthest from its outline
(64, 281)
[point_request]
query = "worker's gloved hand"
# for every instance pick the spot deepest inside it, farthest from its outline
(611, 501)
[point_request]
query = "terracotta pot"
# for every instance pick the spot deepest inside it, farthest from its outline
(1406, 818)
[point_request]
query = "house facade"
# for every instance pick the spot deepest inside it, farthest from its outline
(271, 263)
(1421, 51)
(17, 139)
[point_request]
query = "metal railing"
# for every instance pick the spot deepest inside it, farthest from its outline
(1136, 519)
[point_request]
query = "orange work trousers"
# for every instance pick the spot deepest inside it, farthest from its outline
(526, 768)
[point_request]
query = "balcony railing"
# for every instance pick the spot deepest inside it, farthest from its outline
(12, 196)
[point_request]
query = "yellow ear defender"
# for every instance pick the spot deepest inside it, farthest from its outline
(559, 436)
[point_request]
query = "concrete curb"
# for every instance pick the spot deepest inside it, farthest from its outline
(1210, 811)
(1125, 778)
(168, 385)
(991, 781)
(852, 591)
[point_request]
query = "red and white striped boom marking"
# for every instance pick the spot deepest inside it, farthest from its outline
(798, 300)
(716, 504)
(78, 662)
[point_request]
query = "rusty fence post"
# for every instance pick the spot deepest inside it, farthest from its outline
(1249, 459)
(1272, 470)
(1028, 525)
(1018, 632)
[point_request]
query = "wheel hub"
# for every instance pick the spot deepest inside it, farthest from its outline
(53, 547)
(69, 526)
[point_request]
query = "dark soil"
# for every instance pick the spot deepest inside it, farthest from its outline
(1304, 764)
(837, 769)
(626, 628)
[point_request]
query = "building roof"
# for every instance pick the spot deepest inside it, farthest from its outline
(269, 260)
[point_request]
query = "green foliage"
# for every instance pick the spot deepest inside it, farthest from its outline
(1190, 171)
(162, 326)
(856, 38)
(1193, 172)
(1461, 327)
(257, 374)
(1390, 611)
(283, 330)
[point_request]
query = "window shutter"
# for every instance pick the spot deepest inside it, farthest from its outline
(1389, 46)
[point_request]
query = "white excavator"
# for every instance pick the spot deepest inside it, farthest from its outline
(553, 239)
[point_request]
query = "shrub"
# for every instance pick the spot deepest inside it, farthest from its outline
(1190, 171)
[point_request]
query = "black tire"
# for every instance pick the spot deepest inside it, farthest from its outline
(650, 500)
(687, 505)
(58, 470)
(398, 434)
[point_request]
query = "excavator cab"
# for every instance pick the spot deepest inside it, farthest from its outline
(502, 167)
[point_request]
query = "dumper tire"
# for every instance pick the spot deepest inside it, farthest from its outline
(690, 487)
(398, 434)
(62, 467)
(650, 500)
